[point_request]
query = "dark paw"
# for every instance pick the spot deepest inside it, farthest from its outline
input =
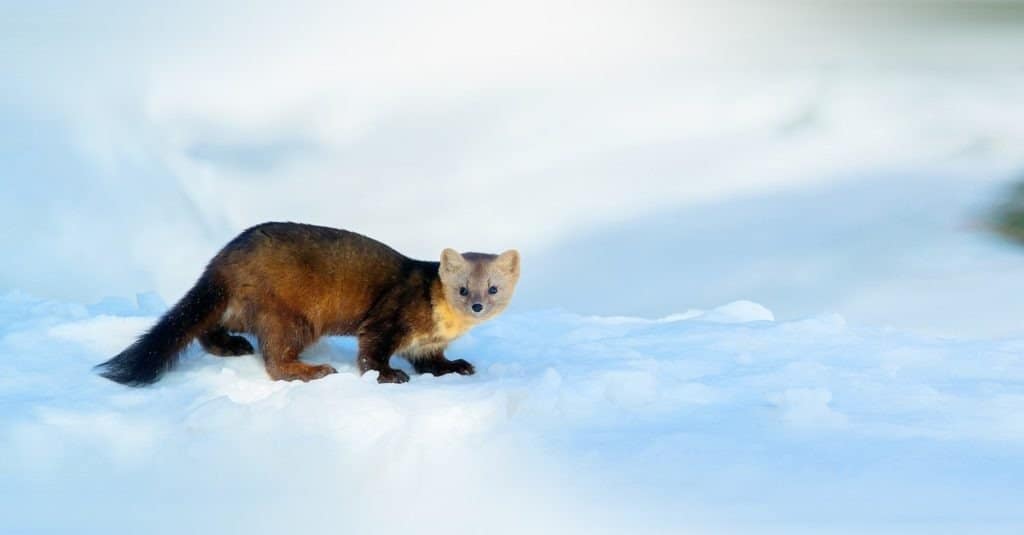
(237, 346)
(462, 367)
(392, 376)
(224, 345)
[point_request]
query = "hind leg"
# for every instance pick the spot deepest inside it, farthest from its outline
(218, 342)
(281, 341)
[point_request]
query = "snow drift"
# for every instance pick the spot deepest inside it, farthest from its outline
(705, 421)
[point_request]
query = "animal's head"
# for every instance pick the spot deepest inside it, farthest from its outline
(479, 285)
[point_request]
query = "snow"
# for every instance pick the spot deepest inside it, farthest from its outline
(743, 159)
(705, 421)
(757, 295)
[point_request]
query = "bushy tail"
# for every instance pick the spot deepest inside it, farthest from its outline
(155, 352)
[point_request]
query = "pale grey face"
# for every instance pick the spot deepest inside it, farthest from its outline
(479, 285)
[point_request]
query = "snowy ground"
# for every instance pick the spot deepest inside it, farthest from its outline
(830, 160)
(716, 421)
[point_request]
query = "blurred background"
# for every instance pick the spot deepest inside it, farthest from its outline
(647, 158)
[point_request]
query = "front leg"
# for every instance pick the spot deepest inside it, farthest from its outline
(375, 350)
(438, 364)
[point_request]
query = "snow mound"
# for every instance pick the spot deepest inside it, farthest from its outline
(739, 312)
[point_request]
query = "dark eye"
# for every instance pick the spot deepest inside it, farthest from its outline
(492, 290)
(463, 291)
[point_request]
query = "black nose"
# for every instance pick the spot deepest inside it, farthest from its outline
(477, 307)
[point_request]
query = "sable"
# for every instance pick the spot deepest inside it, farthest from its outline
(289, 284)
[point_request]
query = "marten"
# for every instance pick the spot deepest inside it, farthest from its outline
(288, 284)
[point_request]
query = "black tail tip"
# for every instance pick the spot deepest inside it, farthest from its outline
(120, 369)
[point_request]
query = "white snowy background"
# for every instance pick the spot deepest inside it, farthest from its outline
(758, 296)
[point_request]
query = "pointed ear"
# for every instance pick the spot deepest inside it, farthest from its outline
(451, 261)
(509, 262)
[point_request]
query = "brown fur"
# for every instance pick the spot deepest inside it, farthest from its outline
(289, 284)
